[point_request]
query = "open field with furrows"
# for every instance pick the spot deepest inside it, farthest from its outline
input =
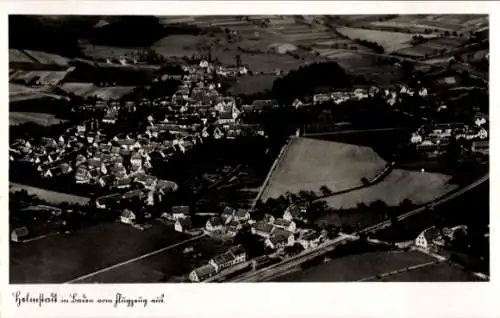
(40, 77)
(49, 196)
(419, 187)
(431, 47)
(309, 164)
(89, 89)
(17, 118)
(390, 41)
(17, 56)
(252, 84)
(443, 272)
(64, 257)
(19, 93)
(47, 58)
(441, 23)
(357, 267)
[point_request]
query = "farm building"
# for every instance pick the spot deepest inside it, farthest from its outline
(202, 273)
(18, 234)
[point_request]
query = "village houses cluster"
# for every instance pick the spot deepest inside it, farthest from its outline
(435, 139)
(277, 233)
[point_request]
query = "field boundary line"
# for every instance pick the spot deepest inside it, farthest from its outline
(132, 260)
(271, 171)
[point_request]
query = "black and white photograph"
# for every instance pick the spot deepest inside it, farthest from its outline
(248, 148)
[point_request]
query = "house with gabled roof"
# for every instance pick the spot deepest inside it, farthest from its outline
(127, 217)
(180, 211)
(202, 273)
(183, 224)
(82, 175)
(285, 225)
(214, 224)
(18, 234)
(242, 214)
(262, 229)
(279, 239)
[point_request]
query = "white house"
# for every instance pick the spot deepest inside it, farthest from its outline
(214, 224)
(416, 138)
(428, 238)
(180, 212)
(422, 92)
(222, 261)
(18, 234)
(309, 240)
(182, 225)
(127, 217)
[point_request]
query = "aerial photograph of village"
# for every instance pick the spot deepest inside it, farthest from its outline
(277, 148)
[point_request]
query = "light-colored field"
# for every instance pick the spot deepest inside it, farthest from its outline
(89, 89)
(17, 118)
(49, 196)
(48, 58)
(436, 22)
(390, 41)
(16, 56)
(42, 77)
(19, 92)
(309, 164)
(419, 187)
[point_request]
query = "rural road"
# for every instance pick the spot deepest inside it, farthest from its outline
(106, 269)
(285, 265)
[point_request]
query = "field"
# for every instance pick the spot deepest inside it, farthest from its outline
(419, 187)
(48, 58)
(431, 47)
(102, 52)
(391, 41)
(19, 92)
(440, 23)
(356, 267)
(309, 164)
(89, 89)
(41, 77)
(180, 45)
(17, 118)
(17, 56)
(61, 258)
(362, 63)
(49, 196)
(443, 272)
(252, 84)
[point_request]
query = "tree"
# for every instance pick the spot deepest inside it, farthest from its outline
(325, 190)
(252, 243)
(364, 181)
